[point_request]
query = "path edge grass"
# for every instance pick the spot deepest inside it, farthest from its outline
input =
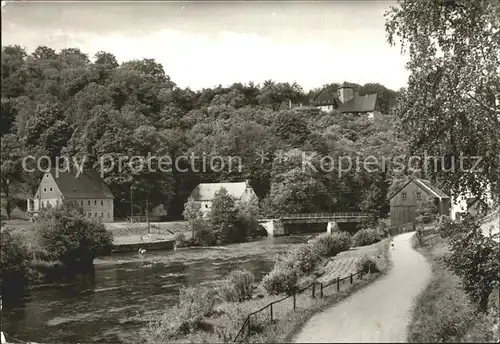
(284, 330)
(475, 325)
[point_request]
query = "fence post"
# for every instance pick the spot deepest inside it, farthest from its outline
(338, 284)
(314, 291)
(321, 293)
(271, 312)
(350, 278)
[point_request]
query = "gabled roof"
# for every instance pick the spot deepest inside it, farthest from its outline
(206, 191)
(326, 97)
(425, 185)
(365, 103)
(87, 184)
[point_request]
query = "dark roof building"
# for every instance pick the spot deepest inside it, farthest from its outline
(86, 184)
(345, 100)
(84, 187)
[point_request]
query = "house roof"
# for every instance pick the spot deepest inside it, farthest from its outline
(326, 97)
(365, 103)
(88, 184)
(426, 186)
(206, 191)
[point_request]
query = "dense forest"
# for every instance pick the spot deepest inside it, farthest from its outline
(63, 104)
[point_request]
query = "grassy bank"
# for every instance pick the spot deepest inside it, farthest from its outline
(221, 321)
(443, 311)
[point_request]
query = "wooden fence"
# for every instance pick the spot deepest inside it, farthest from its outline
(317, 289)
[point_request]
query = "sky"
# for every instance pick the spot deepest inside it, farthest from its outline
(204, 44)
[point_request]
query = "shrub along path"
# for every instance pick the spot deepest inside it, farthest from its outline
(380, 312)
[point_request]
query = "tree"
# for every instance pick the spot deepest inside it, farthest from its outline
(223, 218)
(47, 131)
(192, 213)
(10, 169)
(474, 257)
(291, 128)
(452, 104)
(67, 235)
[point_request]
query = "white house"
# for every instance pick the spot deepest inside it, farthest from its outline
(204, 193)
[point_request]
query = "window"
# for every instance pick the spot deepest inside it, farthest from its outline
(206, 205)
(50, 190)
(102, 202)
(419, 195)
(89, 202)
(44, 189)
(81, 203)
(95, 202)
(403, 195)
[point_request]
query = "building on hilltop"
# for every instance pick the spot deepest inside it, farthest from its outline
(415, 194)
(345, 100)
(204, 193)
(86, 188)
(288, 105)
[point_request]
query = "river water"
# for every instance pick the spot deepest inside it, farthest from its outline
(112, 305)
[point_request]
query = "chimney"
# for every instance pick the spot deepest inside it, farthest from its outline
(345, 92)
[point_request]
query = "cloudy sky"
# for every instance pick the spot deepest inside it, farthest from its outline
(203, 44)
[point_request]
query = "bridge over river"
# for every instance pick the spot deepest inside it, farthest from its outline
(330, 221)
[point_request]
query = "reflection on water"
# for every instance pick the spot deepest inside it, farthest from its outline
(113, 303)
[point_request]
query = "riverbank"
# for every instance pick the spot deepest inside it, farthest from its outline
(224, 320)
(443, 311)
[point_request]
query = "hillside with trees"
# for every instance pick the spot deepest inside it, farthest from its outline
(64, 104)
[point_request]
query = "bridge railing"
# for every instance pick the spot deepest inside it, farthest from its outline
(323, 215)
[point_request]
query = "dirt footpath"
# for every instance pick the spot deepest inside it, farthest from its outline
(379, 312)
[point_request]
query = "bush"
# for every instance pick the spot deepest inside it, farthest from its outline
(281, 279)
(14, 259)
(474, 257)
(303, 258)
(179, 239)
(367, 265)
(67, 235)
(329, 245)
(366, 237)
(238, 286)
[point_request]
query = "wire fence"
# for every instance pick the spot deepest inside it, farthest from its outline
(300, 297)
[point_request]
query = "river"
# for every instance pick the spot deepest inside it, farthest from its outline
(125, 290)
